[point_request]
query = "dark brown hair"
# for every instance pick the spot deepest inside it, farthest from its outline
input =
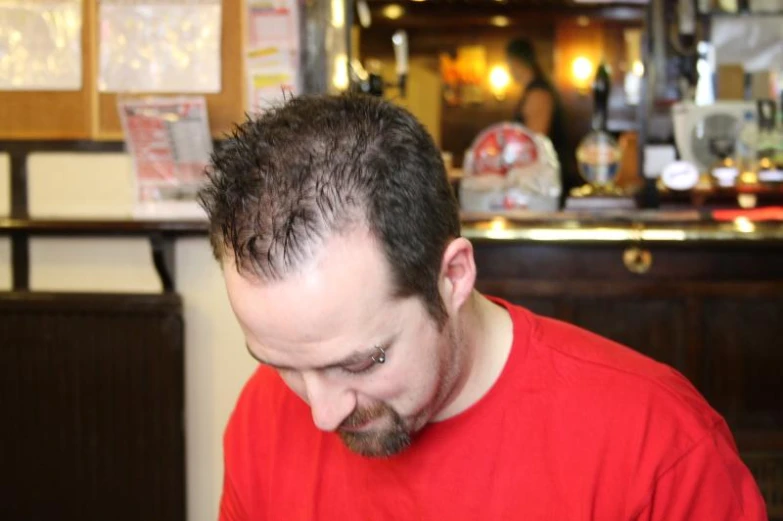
(522, 50)
(282, 183)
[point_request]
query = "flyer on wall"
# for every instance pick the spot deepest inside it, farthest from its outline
(170, 144)
(271, 52)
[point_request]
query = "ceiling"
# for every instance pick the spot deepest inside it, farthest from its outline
(495, 2)
(465, 13)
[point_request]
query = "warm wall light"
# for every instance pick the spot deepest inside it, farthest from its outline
(338, 13)
(499, 80)
(393, 11)
(500, 21)
(340, 72)
(582, 72)
(638, 68)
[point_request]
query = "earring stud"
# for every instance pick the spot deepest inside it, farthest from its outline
(380, 357)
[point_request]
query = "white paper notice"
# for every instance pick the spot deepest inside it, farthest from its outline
(160, 46)
(170, 144)
(272, 57)
(754, 41)
(271, 77)
(40, 45)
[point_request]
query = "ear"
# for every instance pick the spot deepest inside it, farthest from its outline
(457, 274)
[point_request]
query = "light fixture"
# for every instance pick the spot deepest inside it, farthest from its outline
(500, 21)
(581, 71)
(638, 68)
(744, 225)
(338, 14)
(393, 11)
(363, 10)
(499, 80)
(340, 79)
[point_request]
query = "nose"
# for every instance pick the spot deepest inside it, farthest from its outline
(330, 403)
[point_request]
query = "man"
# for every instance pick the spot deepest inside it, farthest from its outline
(389, 388)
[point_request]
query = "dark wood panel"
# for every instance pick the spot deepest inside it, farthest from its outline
(655, 327)
(767, 468)
(640, 288)
(92, 393)
(744, 366)
(686, 261)
(541, 306)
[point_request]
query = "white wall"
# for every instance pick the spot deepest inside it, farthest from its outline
(216, 367)
(5, 210)
(100, 185)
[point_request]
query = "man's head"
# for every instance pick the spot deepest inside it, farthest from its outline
(339, 236)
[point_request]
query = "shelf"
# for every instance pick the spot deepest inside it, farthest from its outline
(161, 235)
(128, 227)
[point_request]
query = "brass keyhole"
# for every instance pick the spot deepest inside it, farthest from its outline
(637, 260)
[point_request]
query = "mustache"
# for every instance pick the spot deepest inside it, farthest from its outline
(360, 416)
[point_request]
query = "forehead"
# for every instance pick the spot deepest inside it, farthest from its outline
(339, 298)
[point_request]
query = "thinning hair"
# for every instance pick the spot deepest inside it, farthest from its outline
(316, 165)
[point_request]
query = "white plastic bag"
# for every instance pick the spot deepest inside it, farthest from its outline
(509, 167)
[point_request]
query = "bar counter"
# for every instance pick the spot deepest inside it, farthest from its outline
(643, 225)
(705, 297)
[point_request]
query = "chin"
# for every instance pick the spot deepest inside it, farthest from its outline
(377, 444)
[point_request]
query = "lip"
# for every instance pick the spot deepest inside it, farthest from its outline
(359, 428)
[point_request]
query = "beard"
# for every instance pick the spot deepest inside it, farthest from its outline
(385, 441)
(394, 434)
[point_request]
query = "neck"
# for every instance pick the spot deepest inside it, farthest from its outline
(486, 334)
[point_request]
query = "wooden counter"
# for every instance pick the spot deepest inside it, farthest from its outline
(704, 297)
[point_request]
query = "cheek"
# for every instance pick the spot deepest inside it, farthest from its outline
(417, 376)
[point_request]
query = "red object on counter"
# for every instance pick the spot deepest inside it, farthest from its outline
(769, 213)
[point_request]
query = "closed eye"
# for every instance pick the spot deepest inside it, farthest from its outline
(365, 365)
(359, 368)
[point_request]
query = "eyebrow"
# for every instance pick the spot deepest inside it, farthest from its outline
(354, 358)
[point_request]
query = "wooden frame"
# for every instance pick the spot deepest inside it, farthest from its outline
(89, 114)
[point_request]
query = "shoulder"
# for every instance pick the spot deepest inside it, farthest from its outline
(652, 392)
(646, 411)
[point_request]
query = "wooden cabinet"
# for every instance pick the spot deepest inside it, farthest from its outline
(713, 311)
(93, 405)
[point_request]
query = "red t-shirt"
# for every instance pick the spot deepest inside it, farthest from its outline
(576, 428)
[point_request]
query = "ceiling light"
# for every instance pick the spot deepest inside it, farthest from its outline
(393, 11)
(500, 21)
